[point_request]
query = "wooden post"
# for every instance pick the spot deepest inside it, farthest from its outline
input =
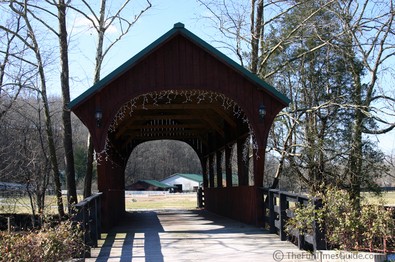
(318, 234)
(99, 220)
(200, 199)
(265, 195)
(259, 162)
(272, 215)
(82, 216)
(111, 182)
(301, 241)
(205, 171)
(9, 224)
(211, 171)
(89, 216)
(283, 215)
(93, 222)
(219, 168)
(242, 166)
(228, 165)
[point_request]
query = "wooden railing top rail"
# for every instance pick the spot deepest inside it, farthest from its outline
(86, 201)
(278, 204)
(289, 195)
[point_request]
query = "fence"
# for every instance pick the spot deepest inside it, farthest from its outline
(89, 216)
(278, 209)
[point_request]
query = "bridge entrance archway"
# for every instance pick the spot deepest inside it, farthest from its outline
(161, 159)
(181, 88)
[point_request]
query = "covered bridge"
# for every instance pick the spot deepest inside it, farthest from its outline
(181, 88)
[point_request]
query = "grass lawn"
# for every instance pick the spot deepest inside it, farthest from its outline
(138, 202)
(21, 205)
(168, 201)
(387, 197)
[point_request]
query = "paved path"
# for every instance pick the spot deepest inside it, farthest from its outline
(191, 235)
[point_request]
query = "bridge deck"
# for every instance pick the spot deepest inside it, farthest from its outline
(191, 235)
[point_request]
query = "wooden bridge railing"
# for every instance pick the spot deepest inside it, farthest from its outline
(89, 216)
(200, 197)
(278, 209)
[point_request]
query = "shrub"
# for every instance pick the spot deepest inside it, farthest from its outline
(378, 227)
(57, 243)
(340, 219)
(370, 228)
(303, 218)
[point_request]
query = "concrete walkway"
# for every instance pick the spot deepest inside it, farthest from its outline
(191, 235)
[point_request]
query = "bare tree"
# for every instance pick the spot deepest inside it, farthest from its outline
(368, 27)
(389, 180)
(101, 21)
(29, 38)
(10, 85)
(26, 145)
(327, 56)
(34, 163)
(61, 34)
(33, 18)
(66, 115)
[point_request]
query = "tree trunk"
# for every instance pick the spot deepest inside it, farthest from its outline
(356, 147)
(256, 33)
(66, 114)
(89, 169)
(99, 59)
(47, 113)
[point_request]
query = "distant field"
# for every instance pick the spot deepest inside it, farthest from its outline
(138, 202)
(21, 205)
(133, 202)
(168, 201)
(387, 197)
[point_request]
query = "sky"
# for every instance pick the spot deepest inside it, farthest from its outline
(152, 25)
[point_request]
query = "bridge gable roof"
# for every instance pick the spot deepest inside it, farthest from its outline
(177, 30)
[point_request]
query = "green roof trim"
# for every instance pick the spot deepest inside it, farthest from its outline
(156, 183)
(178, 28)
(194, 177)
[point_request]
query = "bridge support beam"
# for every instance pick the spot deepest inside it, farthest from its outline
(228, 166)
(111, 182)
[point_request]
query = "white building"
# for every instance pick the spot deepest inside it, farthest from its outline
(184, 182)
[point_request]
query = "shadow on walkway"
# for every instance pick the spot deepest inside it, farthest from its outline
(138, 229)
(187, 235)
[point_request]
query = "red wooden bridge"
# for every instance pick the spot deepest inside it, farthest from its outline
(181, 88)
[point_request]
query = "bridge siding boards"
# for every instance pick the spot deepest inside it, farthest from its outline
(180, 61)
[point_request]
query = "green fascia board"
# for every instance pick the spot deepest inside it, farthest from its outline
(156, 183)
(178, 28)
(194, 177)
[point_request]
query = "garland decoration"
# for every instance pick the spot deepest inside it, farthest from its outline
(187, 97)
